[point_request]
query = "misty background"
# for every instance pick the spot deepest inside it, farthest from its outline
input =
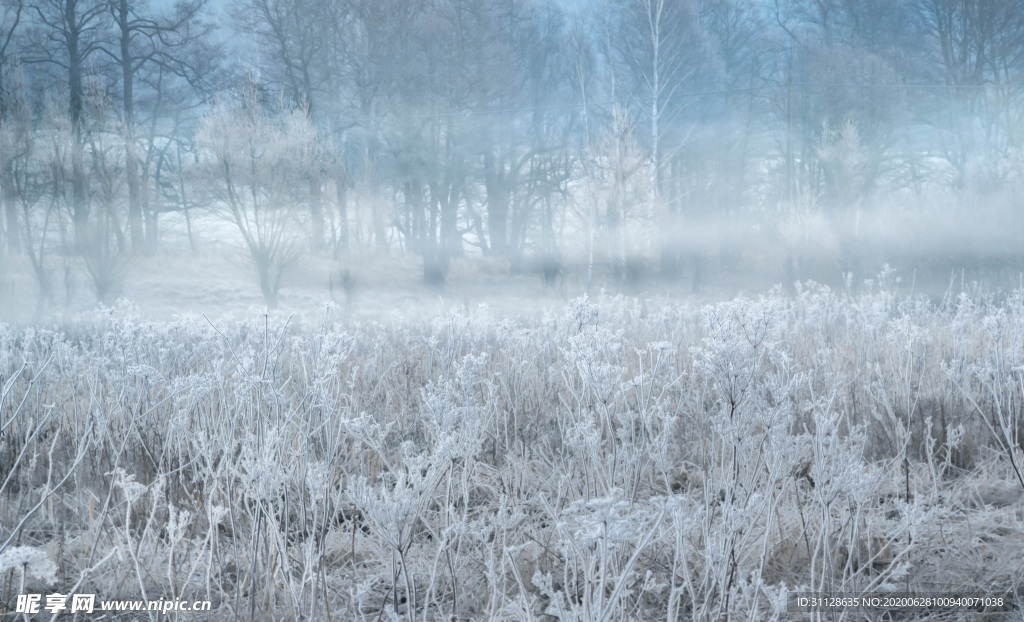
(297, 149)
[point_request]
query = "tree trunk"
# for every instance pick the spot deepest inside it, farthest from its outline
(131, 158)
(131, 164)
(379, 229)
(79, 200)
(10, 209)
(498, 201)
(451, 241)
(417, 224)
(341, 189)
(79, 204)
(316, 212)
(150, 212)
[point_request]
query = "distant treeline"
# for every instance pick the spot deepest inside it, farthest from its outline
(616, 131)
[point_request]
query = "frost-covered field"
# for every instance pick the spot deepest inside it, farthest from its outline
(610, 459)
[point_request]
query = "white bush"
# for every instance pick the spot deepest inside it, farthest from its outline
(614, 460)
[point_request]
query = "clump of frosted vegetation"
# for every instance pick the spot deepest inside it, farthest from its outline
(613, 459)
(28, 562)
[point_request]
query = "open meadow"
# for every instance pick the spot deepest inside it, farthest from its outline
(609, 458)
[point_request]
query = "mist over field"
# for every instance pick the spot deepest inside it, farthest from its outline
(512, 309)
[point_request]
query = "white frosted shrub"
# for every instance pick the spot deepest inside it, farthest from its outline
(613, 459)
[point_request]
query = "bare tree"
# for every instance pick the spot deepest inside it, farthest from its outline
(256, 159)
(528, 158)
(106, 255)
(976, 48)
(63, 171)
(66, 34)
(148, 43)
(10, 18)
(291, 35)
(658, 41)
(622, 181)
(24, 183)
(40, 220)
(294, 36)
(659, 49)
